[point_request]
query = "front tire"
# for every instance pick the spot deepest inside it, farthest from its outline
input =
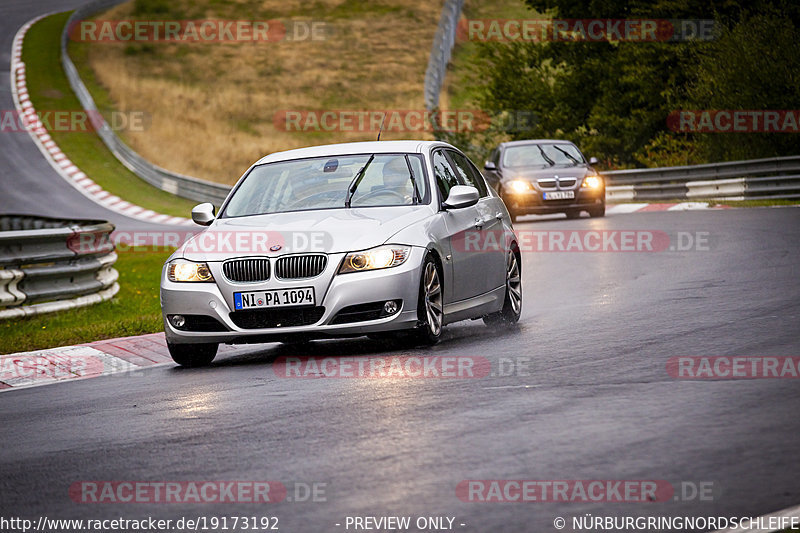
(509, 315)
(193, 355)
(430, 305)
(598, 211)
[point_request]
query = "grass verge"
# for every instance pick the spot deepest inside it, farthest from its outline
(755, 203)
(215, 108)
(50, 91)
(135, 310)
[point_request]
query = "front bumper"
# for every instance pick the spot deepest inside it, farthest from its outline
(333, 291)
(532, 202)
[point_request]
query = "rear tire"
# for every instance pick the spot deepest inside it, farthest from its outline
(430, 304)
(509, 315)
(193, 355)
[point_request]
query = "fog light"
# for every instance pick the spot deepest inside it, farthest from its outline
(390, 307)
(177, 320)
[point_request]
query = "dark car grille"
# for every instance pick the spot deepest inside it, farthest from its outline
(277, 318)
(563, 183)
(300, 266)
(246, 269)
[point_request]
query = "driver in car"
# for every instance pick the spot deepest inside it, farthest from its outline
(397, 179)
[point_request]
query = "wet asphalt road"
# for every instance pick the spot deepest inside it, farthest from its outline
(595, 400)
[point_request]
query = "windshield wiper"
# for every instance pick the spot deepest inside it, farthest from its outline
(417, 199)
(356, 180)
(567, 154)
(544, 155)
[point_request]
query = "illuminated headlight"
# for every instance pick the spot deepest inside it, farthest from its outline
(593, 182)
(386, 256)
(519, 185)
(187, 271)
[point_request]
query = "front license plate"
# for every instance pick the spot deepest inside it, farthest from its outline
(274, 298)
(559, 195)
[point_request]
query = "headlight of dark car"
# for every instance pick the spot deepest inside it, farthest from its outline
(592, 182)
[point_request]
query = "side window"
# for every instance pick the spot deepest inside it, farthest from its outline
(468, 173)
(495, 157)
(446, 177)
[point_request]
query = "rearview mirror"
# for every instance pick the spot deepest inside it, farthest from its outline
(593, 161)
(489, 165)
(461, 196)
(203, 214)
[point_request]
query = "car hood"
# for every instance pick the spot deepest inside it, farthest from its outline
(565, 171)
(326, 231)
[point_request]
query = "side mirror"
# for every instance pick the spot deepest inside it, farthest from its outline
(203, 214)
(489, 165)
(461, 196)
(593, 161)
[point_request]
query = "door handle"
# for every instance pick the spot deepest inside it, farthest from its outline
(499, 216)
(479, 223)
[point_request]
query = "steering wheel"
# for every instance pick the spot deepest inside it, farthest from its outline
(314, 198)
(384, 192)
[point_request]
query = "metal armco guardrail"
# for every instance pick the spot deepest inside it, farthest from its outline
(771, 178)
(443, 43)
(178, 184)
(51, 265)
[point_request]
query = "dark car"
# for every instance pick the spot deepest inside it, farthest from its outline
(545, 176)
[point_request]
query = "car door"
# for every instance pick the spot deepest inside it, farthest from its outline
(461, 228)
(489, 223)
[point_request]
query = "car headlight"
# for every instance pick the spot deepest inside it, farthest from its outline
(187, 271)
(592, 182)
(386, 256)
(519, 185)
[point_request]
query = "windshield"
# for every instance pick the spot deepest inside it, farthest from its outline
(323, 183)
(542, 155)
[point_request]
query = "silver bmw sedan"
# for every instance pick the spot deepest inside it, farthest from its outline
(373, 238)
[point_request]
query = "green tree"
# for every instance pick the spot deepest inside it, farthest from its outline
(614, 98)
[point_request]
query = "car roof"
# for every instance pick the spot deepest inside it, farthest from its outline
(369, 147)
(535, 141)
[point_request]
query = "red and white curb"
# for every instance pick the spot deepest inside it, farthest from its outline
(95, 359)
(620, 209)
(90, 360)
(53, 154)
